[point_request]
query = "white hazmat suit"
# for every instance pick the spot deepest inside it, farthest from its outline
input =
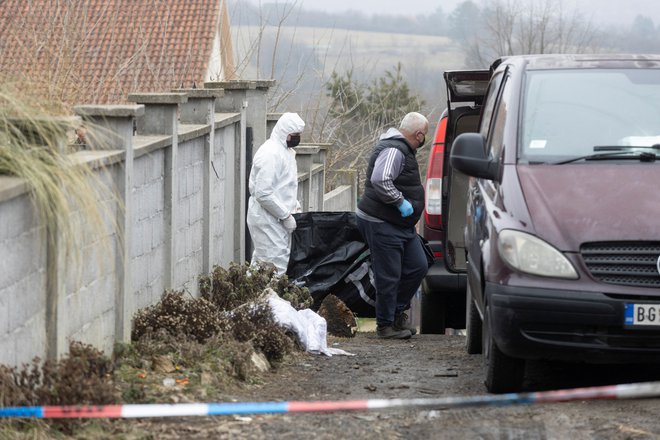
(273, 189)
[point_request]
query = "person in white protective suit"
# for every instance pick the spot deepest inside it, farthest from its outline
(273, 189)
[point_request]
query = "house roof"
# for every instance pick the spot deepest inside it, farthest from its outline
(100, 50)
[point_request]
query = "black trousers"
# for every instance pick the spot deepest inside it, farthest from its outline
(398, 263)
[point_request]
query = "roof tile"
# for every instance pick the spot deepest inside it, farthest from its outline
(101, 50)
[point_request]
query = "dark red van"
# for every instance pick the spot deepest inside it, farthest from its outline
(562, 226)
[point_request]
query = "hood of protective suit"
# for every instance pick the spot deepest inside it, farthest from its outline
(287, 124)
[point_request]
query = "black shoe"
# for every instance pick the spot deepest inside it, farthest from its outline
(401, 323)
(389, 332)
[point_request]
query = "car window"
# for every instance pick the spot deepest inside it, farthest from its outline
(566, 113)
(496, 135)
(467, 123)
(489, 104)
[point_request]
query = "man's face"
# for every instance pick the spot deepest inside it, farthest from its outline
(420, 136)
(292, 140)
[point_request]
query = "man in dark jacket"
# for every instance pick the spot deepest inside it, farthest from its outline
(391, 205)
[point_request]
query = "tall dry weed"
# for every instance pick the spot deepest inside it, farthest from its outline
(71, 202)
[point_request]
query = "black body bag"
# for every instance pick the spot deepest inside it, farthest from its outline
(329, 255)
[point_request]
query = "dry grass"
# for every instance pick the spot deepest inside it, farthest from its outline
(35, 145)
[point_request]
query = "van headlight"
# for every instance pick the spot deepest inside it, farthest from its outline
(529, 254)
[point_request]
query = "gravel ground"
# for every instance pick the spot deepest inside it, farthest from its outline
(425, 366)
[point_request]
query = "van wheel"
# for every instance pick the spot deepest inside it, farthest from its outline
(432, 316)
(504, 374)
(472, 324)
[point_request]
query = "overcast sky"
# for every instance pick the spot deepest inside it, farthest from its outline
(411, 7)
(608, 11)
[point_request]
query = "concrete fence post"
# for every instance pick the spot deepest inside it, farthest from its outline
(271, 120)
(55, 278)
(305, 163)
(349, 178)
(321, 160)
(240, 92)
(240, 191)
(200, 109)
(250, 98)
(161, 118)
(115, 131)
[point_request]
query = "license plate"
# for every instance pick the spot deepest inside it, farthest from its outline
(642, 315)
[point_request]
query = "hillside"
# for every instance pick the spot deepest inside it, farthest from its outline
(309, 55)
(301, 55)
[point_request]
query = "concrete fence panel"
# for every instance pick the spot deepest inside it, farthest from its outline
(172, 183)
(23, 276)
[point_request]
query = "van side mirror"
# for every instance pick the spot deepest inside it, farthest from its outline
(468, 155)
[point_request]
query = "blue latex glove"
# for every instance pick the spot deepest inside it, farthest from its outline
(405, 208)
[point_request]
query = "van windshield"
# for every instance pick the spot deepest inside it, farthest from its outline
(567, 113)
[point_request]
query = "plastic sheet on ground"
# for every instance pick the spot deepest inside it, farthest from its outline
(309, 327)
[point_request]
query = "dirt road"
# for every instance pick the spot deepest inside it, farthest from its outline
(425, 366)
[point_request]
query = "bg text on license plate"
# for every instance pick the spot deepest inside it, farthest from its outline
(641, 315)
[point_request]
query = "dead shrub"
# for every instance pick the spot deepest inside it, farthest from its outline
(256, 324)
(299, 297)
(238, 285)
(241, 284)
(340, 319)
(196, 318)
(82, 377)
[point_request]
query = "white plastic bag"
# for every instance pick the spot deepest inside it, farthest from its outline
(308, 325)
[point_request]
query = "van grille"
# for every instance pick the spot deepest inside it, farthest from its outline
(624, 263)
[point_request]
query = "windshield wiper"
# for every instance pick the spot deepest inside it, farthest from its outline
(643, 156)
(626, 147)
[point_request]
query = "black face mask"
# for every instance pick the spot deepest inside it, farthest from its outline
(421, 144)
(295, 140)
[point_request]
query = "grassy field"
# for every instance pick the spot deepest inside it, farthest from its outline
(311, 54)
(376, 51)
(367, 51)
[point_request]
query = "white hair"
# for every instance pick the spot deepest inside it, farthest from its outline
(412, 122)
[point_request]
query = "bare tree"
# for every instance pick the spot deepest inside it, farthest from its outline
(511, 27)
(337, 107)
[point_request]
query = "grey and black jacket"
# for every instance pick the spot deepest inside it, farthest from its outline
(382, 201)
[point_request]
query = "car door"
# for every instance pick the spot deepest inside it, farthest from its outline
(482, 193)
(466, 91)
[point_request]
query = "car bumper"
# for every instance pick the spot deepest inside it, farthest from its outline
(537, 323)
(439, 281)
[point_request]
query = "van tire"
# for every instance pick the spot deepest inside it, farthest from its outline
(504, 374)
(433, 313)
(473, 327)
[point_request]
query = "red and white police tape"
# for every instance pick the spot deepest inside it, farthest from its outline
(625, 391)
